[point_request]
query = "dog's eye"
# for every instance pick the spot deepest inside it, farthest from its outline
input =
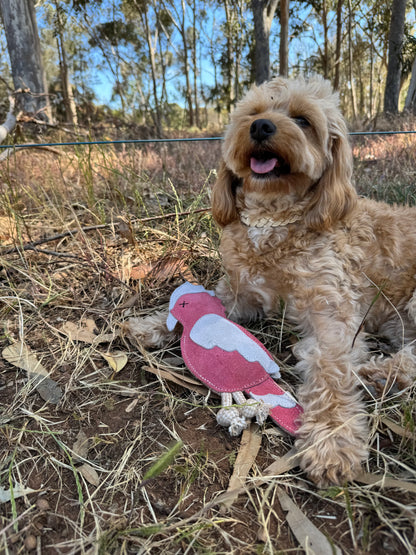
(301, 121)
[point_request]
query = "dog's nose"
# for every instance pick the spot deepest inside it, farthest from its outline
(262, 129)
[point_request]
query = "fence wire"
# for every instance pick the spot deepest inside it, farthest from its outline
(178, 140)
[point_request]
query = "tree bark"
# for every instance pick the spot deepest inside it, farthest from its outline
(179, 21)
(338, 42)
(325, 61)
(229, 66)
(151, 45)
(410, 103)
(188, 93)
(284, 38)
(69, 101)
(194, 64)
(23, 45)
(351, 63)
(263, 12)
(394, 65)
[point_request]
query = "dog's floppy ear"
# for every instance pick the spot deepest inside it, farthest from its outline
(223, 202)
(333, 196)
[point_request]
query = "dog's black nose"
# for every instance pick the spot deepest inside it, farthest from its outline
(262, 129)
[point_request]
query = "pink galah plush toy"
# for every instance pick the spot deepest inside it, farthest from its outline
(229, 359)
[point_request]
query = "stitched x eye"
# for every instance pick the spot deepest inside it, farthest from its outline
(301, 121)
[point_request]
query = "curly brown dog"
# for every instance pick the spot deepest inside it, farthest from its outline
(295, 230)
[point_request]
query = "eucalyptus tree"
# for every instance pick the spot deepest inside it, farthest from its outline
(177, 12)
(263, 13)
(57, 26)
(409, 64)
(284, 38)
(19, 20)
(394, 67)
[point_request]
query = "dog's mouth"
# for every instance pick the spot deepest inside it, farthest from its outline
(268, 164)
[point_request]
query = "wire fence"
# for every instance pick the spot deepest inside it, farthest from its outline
(177, 140)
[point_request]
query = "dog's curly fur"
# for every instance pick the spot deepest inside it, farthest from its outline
(295, 230)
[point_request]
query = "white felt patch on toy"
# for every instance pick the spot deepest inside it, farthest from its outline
(212, 330)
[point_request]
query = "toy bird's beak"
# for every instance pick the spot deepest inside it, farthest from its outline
(171, 322)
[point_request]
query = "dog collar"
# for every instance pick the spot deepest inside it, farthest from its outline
(267, 222)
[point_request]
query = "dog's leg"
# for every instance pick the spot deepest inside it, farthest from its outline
(245, 303)
(333, 433)
(387, 374)
(149, 331)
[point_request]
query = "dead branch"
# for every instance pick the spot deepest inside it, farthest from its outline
(9, 151)
(30, 246)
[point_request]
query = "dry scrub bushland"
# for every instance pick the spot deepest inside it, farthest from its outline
(108, 448)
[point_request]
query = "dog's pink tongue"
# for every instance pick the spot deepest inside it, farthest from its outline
(263, 166)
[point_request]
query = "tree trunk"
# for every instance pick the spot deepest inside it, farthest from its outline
(338, 45)
(325, 61)
(229, 19)
(351, 62)
(284, 38)
(157, 115)
(69, 102)
(188, 92)
(179, 21)
(263, 12)
(410, 103)
(23, 45)
(194, 64)
(394, 65)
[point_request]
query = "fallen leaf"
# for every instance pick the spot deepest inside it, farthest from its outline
(117, 360)
(141, 271)
(132, 405)
(385, 481)
(247, 454)
(47, 388)
(179, 379)
(18, 491)
(309, 537)
(125, 229)
(283, 464)
(20, 355)
(399, 430)
(85, 332)
(170, 267)
(80, 447)
(129, 302)
(89, 473)
(161, 270)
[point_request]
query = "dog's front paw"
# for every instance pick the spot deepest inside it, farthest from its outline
(148, 331)
(330, 456)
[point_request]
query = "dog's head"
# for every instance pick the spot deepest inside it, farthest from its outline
(287, 136)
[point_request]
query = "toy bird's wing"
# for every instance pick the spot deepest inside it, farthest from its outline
(283, 400)
(212, 330)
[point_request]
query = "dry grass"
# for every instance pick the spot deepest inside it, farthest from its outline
(113, 214)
